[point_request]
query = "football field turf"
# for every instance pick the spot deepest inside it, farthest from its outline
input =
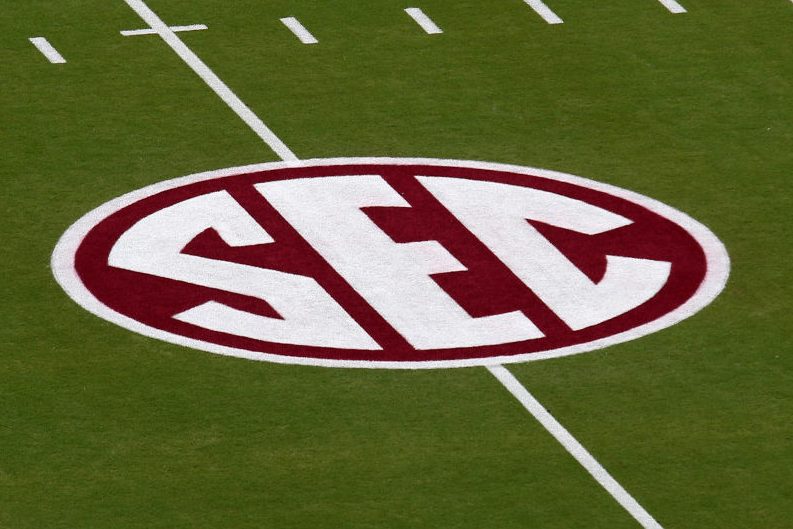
(104, 428)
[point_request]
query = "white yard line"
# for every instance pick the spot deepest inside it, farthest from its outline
(149, 31)
(544, 11)
(299, 30)
(500, 372)
(47, 50)
(673, 6)
(423, 20)
(212, 80)
(574, 447)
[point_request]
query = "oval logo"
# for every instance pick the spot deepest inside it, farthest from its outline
(396, 263)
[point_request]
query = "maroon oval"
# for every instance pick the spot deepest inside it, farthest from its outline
(488, 287)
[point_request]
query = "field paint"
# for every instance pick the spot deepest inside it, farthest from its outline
(673, 6)
(212, 80)
(423, 20)
(299, 30)
(47, 50)
(544, 11)
(499, 371)
(149, 31)
(65, 271)
(575, 448)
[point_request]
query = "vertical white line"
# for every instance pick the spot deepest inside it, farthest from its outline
(423, 20)
(212, 80)
(47, 50)
(673, 6)
(544, 11)
(500, 372)
(299, 30)
(575, 448)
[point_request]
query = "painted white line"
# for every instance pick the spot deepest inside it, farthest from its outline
(212, 80)
(500, 372)
(133, 32)
(673, 6)
(423, 20)
(149, 31)
(574, 447)
(47, 50)
(299, 30)
(544, 11)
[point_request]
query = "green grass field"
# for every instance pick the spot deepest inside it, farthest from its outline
(104, 428)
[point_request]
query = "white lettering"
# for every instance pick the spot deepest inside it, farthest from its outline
(310, 316)
(497, 214)
(392, 277)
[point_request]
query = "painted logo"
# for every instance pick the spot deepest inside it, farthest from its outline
(398, 263)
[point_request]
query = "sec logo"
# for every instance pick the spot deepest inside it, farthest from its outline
(395, 263)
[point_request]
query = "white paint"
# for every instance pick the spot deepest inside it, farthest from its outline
(309, 315)
(423, 20)
(718, 266)
(64, 270)
(47, 50)
(150, 31)
(575, 448)
(299, 30)
(497, 213)
(673, 6)
(393, 277)
(212, 80)
(544, 11)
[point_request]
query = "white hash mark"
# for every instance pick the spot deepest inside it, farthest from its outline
(423, 20)
(47, 50)
(299, 30)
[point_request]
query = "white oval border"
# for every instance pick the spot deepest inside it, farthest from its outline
(718, 265)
